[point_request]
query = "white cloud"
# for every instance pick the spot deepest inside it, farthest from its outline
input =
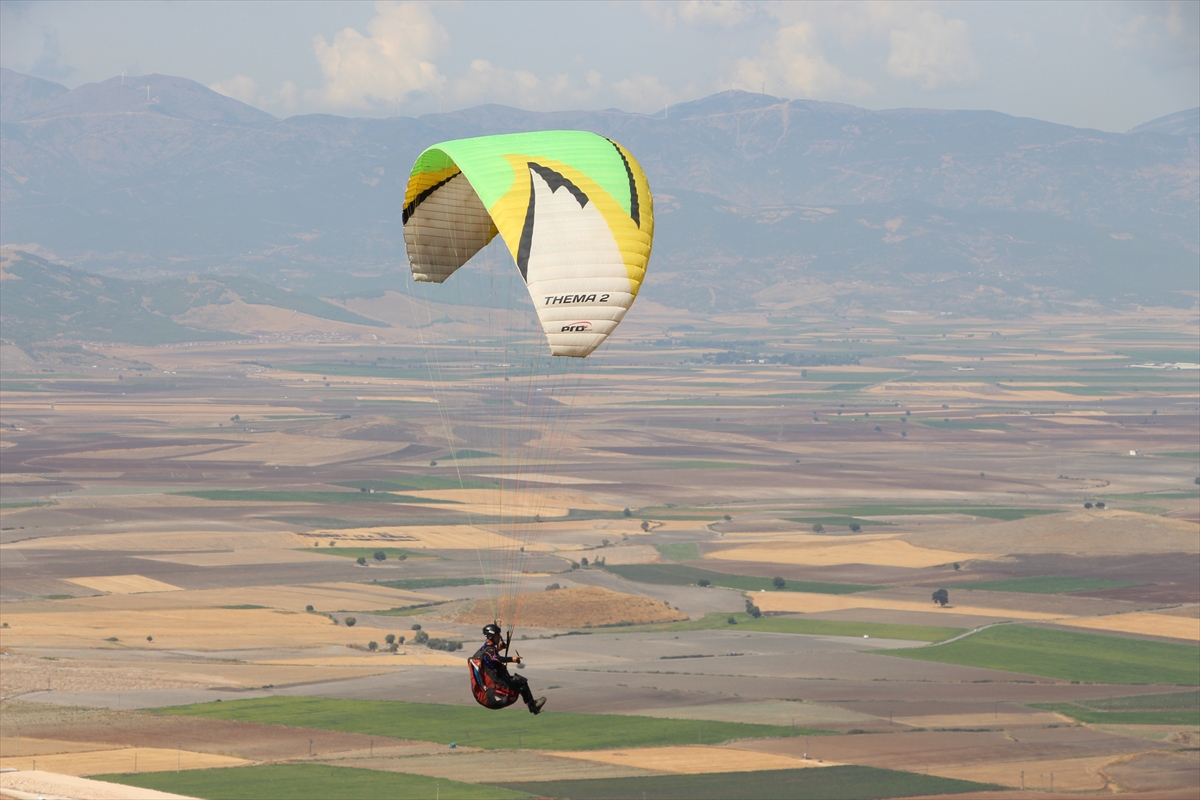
(385, 67)
(923, 46)
(932, 50)
(793, 63)
(284, 99)
(722, 13)
(239, 87)
(484, 82)
(644, 93)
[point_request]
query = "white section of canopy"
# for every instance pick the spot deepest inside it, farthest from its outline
(575, 273)
(445, 230)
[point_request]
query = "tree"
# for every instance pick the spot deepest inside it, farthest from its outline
(752, 609)
(855, 527)
(333, 544)
(380, 555)
(941, 597)
(361, 561)
(957, 566)
(390, 638)
(818, 528)
(728, 517)
(627, 513)
(904, 434)
(732, 620)
(350, 622)
(421, 638)
(416, 626)
(308, 609)
(236, 418)
(552, 587)
(1087, 505)
(645, 525)
(877, 428)
(433, 463)
(704, 582)
(778, 583)
(372, 646)
(583, 561)
(149, 638)
(1100, 504)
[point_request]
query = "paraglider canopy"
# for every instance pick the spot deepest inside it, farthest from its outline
(573, 207)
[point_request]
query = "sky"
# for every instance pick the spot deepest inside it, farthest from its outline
(1105, 65)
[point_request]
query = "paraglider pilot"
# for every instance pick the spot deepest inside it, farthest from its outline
(491, 682)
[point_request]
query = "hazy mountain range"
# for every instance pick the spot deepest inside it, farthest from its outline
(757, 197)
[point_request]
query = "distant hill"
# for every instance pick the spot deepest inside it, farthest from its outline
(41, 301)
(1181, 123)
(755, 194)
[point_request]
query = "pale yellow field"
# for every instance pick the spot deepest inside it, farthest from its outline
(124, 584)
(691, 760)
(166, 540)
(323, 597)
(973, 391)
(1040, 719)
(878, 552)
(1146, 623)
(806, 603)
(41, 783)
(98, 762)
(1070, 774)
(197, 629)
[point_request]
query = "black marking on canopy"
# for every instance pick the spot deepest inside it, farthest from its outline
(422, 197)
(555, 181)
(634, 210)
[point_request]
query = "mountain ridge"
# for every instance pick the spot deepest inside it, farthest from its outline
(199, 182)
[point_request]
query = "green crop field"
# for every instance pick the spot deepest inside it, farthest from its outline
(1186, 717)
(1084, 657)
(257, 496)
(825, 783)
(1164, 701)
(307, 782)
(817, 627)
(1047, 584)
(368, 553)
(432, 583)
(991, 512)
(681, 551)
(681, 575)
(479, 727)
(1168, 708)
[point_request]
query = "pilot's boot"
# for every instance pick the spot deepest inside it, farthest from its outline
(536, 706)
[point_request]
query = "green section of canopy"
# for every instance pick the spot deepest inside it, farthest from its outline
(492, 176)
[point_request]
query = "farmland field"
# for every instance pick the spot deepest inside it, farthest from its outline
(818, 627)
(307, 782)
(480, 727)
(828, 783)
(1081, 657)
(1046, 584)
(683, 575)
